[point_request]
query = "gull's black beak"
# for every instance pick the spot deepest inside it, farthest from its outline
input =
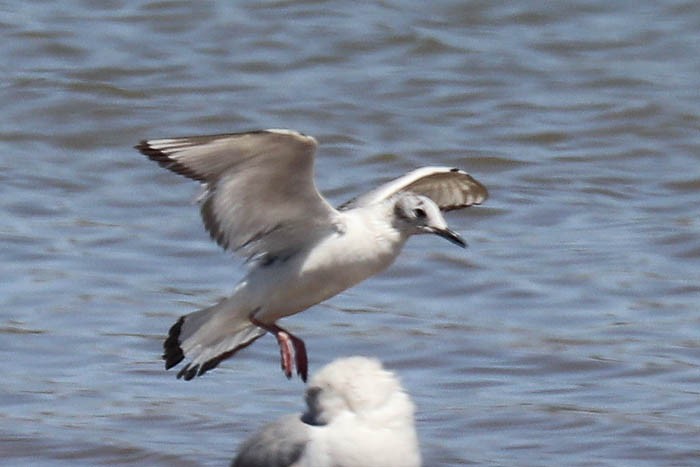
(451, 236)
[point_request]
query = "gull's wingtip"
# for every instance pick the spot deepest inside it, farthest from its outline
(142, 146)
(172, 352)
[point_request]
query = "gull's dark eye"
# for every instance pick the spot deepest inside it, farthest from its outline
(419, 213)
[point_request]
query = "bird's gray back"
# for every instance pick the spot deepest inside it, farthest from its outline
(279, 444)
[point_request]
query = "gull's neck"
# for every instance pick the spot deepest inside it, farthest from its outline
(378, 224)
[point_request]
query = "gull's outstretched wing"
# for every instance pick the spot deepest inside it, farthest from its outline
(449, 188)
(260, 195)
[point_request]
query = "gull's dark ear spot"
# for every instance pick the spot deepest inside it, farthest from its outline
(419, 213)
(399, 211)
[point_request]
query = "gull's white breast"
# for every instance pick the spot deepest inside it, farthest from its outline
(364, 243)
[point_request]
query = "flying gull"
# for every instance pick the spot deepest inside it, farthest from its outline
(260, 201)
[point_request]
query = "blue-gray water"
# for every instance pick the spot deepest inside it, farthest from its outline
(568, 334)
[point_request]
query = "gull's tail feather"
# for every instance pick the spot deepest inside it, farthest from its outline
(207, 337)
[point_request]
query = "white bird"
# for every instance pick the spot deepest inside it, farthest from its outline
(358, 415)
(260, 201)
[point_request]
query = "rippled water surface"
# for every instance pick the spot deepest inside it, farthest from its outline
(567, 334)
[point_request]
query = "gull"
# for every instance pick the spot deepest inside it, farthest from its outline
(357, 415)
(260, 202)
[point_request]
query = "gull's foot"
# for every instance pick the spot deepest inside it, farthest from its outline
(285, 343)
(302, 360)
(290, 347)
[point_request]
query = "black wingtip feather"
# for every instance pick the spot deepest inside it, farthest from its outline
(172, 351)
(188, 372)
(164, 160)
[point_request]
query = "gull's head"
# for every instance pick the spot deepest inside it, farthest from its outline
(358, 386)
(417, 214)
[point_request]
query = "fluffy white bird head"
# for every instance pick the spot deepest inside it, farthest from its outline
(358, 386)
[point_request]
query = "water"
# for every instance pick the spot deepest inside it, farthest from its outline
(567, 334)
